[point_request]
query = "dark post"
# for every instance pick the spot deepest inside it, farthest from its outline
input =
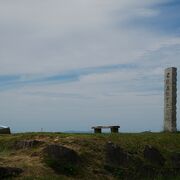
(114, 129)
(97, 130)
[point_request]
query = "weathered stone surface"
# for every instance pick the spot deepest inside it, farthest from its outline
(9, 172)
(115, 155)
(61, 159)
(27, 144)
(170, 98)
(175, 158)
(153, 155)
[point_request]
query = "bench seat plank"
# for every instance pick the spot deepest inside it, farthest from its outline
(105, 127)
(98, 129)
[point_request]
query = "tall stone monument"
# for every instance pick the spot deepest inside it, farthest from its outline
(170, 99)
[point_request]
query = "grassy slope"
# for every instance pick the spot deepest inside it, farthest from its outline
(89, 146)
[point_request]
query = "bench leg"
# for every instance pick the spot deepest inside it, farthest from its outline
(114, 130)
(97, 130)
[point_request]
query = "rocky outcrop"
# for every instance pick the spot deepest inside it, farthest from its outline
(129, 165)
(61, 159)
(27, 144)
(175, 158)
(153, 155)
(115, 155)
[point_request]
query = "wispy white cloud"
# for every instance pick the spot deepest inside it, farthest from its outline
(111, 53)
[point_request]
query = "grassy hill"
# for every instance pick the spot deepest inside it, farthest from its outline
(92, 152)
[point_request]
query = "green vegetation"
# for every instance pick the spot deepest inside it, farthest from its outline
(91, 149)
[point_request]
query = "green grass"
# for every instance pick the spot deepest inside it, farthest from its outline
(90, 147)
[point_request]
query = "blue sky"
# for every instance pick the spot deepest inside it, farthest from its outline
(165, 21)
(69, 65)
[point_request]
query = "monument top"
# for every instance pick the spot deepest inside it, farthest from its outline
(175, 68)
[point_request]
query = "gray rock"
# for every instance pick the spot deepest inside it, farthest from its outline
(175, 158)
(115, 155)
(27, 144)
(153, 155)
(61, 159)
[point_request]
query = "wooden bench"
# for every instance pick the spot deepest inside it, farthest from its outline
(98, 129)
